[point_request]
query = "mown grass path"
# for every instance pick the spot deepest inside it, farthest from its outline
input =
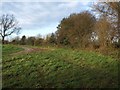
(58, 68)
(28, 49)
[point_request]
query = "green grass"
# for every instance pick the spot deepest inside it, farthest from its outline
(8, 49)
(60, 68)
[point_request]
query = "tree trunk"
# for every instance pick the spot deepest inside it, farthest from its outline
(119, 23)
(3, 39)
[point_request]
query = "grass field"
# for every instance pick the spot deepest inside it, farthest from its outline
(58, 68)
(9, 49)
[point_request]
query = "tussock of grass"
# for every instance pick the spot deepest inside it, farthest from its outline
(60, 68)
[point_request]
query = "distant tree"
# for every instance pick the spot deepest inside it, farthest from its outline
(38, 41)
(23, 40)
(31, 41)
(16, 40)
(8, 25)
(52, 39)
(46, 39)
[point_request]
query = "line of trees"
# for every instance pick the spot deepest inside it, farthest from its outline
(50, 39)
(81, 30)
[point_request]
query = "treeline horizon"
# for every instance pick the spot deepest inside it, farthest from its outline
(83, 30)
(72, 26)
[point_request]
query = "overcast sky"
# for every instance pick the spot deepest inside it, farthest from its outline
(41, 17)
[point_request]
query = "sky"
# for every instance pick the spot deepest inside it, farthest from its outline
(41, 17)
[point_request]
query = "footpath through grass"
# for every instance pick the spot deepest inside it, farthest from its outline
(60, 68)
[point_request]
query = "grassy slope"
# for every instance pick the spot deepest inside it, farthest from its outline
(60, 68)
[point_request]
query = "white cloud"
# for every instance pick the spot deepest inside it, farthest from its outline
(35, 15)
(47, 0)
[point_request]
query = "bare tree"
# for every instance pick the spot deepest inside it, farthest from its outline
(112, 10)
(8, 26)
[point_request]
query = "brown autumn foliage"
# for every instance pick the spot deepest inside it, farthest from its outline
(76, 30)
(103, 29)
